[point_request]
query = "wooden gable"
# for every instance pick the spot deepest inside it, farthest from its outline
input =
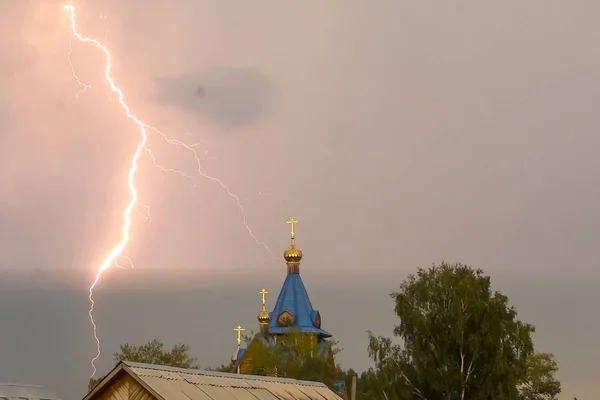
(124, 387)
(121, 384)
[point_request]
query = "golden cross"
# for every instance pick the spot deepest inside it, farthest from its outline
(264, 295)
(239, 330)
(292, 222)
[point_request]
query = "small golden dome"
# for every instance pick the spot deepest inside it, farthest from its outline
(264, 317)
(292, 254)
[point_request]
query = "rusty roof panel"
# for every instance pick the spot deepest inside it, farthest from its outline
(217, 393)
(263, 394)
(310, 392)
(217, 381)
(278, 391)
(226, 382)
(194, 392)
(327, 393)
(170, 390)
(199, 380)
(168, 375)
(296, 394)
(240, 393)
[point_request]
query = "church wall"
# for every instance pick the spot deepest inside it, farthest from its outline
(246, 364)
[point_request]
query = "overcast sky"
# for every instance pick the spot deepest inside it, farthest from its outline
(398, 132)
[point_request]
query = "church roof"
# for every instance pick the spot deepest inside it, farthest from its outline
(238, 359)
(294, 299)
(293, 309)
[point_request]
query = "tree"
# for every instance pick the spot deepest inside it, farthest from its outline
(369, 385)
(388, 380)
(540, 383)
(152, 352)
(458, 339)
(294, 355)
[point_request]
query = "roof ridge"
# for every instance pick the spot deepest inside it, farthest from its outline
(20, 385)
(192, 371)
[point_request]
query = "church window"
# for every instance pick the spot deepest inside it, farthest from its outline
(286, 318)
(318, 320)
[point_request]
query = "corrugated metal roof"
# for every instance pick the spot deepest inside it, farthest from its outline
(191, 384)
(11, 391)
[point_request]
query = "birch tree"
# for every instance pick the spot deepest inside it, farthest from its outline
(457, 339)
(540, 383)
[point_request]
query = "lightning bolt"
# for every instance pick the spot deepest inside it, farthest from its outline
(117, 251)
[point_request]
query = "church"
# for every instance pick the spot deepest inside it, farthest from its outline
(293, 314)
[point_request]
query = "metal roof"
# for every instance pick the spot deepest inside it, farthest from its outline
(294, 298)
(190, 384)
(10, 391)
(239, 357)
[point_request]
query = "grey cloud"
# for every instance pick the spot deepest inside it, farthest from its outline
(463, 139)
(45, 317)
(228, 96)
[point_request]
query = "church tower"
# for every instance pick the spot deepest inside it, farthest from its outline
(292, 312)
(293, 309)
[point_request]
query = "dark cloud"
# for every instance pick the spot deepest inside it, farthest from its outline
(48, 338)
(228, 96)
(456, 137)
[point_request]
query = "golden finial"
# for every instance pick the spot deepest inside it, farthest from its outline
(239, 331)
(264, 317)
(292, 254)
(292, 222)
(264, 293)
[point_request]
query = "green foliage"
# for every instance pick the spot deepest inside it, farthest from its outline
(459, 340)
(387, 381)
(367, 385)
(295, 355)
(153, 352)
(222, 368)
(372, 384)
(93, 382)
(540, 383)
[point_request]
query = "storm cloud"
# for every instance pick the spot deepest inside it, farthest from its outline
(399, 134)
(228, 96)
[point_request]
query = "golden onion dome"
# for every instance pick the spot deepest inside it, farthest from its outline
(292, 254)
(264, 317)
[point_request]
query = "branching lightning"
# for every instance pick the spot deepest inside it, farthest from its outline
(112, 259)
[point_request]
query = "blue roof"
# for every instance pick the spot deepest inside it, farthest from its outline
(240, 355)
(294, 299)
(339, 387)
